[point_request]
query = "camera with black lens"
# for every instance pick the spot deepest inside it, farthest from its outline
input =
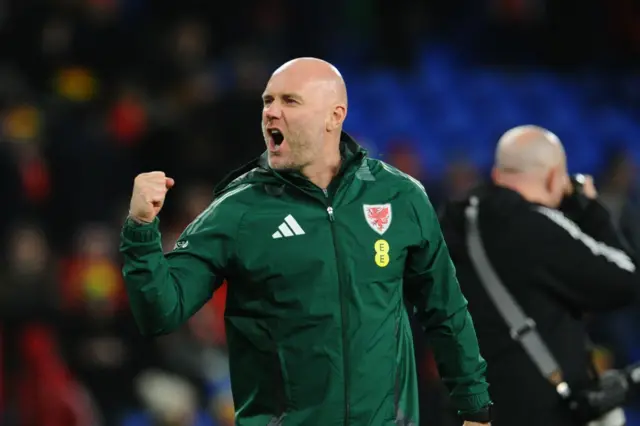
(578, 197)
(577, 181)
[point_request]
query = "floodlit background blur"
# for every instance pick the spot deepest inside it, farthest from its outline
(93, 92)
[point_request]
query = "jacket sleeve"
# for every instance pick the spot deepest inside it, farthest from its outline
(589, 270)
(431, 286)
(594, 220)
(166, 290)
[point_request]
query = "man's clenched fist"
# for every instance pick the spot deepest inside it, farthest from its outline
(149, 192)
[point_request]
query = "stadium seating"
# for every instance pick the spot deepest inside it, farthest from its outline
(448, 107)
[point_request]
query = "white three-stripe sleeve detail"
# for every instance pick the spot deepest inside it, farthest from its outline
(612, 254)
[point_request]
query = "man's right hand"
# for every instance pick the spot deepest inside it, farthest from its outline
(149, 192)
(590, 188)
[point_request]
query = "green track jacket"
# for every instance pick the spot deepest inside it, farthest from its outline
(317, 329)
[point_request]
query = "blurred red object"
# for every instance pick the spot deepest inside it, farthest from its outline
(208, 323)
(430, 367)
(128, 120)
(218, 304)
(403, 155)
(49, 395)
(35, 179)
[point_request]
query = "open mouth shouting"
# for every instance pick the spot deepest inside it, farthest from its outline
(275, 139)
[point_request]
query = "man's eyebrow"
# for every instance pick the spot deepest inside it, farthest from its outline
(289, 95)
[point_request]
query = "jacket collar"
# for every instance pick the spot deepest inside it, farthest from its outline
(352, 155)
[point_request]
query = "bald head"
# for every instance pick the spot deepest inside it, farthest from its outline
(532, 161)
(526, 149)
(321, 74)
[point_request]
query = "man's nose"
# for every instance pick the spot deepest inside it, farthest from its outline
(273, 110)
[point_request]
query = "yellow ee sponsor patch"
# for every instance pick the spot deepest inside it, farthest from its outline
(382, 253)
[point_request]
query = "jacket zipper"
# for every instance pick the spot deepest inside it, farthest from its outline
(343, 313)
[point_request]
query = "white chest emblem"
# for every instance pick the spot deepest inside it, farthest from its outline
(378, 216)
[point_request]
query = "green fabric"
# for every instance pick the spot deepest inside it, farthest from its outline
(317, 329)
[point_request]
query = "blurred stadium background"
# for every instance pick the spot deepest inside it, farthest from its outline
(93, 92)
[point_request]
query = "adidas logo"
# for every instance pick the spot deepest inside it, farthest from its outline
(288, 228)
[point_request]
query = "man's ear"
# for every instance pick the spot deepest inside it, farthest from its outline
(495, 175)
(551, 179)
(337, 117)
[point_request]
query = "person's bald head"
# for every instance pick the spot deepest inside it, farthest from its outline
(532, 160)
(324, 78)
(525, 149)
(306, 100)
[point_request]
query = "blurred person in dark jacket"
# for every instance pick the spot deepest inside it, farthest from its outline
(558, 258)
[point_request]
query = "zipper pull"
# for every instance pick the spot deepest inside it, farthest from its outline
(325, 192)
(330, 211)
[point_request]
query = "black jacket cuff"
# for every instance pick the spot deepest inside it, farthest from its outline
(482, 416)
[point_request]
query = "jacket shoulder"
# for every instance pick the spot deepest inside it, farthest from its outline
(227, 207)
(250, 181)
(389, 175)
(251, 175)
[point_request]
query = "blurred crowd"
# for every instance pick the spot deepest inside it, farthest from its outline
(93, 92)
